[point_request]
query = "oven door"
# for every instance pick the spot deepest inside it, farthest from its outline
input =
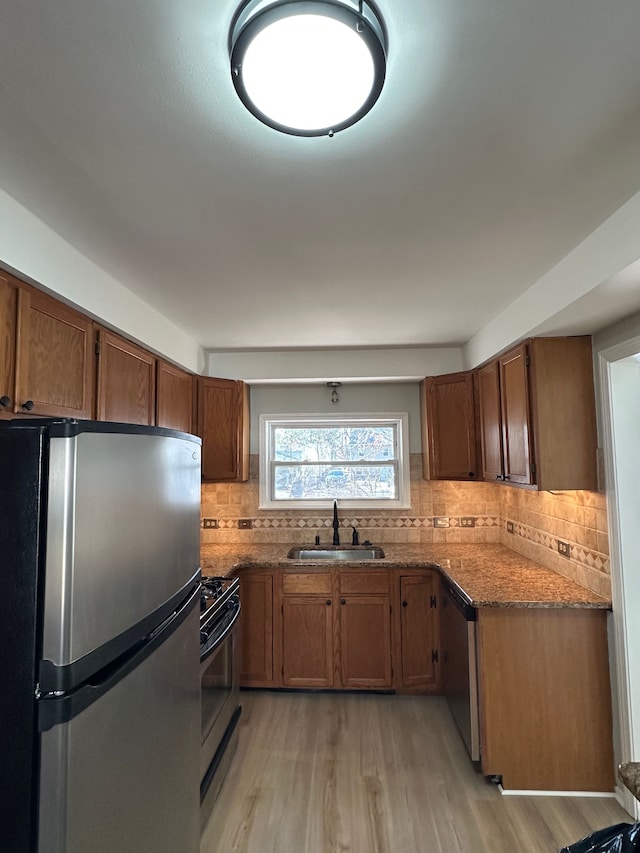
(219, 669)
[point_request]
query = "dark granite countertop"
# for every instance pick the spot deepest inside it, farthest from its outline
(486, 575)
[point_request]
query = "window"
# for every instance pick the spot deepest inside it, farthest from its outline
(308, 461)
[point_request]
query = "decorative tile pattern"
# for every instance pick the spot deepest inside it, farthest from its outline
(579, 553)
(368, 522)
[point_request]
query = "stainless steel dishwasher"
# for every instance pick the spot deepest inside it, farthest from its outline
(460, 670)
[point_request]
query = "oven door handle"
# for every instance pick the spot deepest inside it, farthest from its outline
(218, 635)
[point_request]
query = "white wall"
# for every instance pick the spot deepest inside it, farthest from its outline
(397, 364)
(592, 273)
(615, 334)
(33, 251)
(384, 397)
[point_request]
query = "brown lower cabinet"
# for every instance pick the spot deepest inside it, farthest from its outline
(545, 699)
(339, 628)
(419, 630)
(256, 596)
(336, 629)
(307, 641)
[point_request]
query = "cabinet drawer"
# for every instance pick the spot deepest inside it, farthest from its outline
(373, 582)
(314, 582)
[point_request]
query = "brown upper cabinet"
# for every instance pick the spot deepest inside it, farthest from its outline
(223, 425)
(449, 436)
(47, 356)
(174, 397)
(537, 415)
(8, 323)
(126, 381)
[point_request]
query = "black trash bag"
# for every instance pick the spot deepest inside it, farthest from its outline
(621, 838)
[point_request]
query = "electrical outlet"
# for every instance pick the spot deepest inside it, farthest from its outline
(564, 548)
(245, 523)
(210, 523)
(467, 521)
(441, 521)
(510, 527)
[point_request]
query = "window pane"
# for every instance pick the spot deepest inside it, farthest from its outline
(320, 482)
(331, 444)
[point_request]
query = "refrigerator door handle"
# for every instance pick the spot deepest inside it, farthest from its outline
(56, 709)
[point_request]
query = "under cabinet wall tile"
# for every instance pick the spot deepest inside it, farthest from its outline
(539, 518)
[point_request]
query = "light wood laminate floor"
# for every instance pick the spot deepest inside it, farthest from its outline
(362, 773)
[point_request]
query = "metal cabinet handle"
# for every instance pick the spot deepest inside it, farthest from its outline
(404, 603)
(328, 602)
(472, 473)
(28, 405)
(343, 601)
(5, 401)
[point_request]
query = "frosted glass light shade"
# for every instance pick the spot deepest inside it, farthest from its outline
(308, 68)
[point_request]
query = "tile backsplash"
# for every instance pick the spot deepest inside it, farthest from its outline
(440, 512)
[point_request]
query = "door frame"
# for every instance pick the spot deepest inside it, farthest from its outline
(625, 695)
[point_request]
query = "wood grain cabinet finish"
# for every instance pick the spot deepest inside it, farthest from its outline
(307, 641)
(223, 425)
(490, 418)
(365, 641)
(8, 325)
(449, 436)
(126, 381)
(174, 397)
(336, 629)
(537, 415)
(419, 631)
(54, 360)
(545, 700)
(257, 630)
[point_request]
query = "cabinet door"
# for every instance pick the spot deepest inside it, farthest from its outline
(307, 641)
(449, 432)
(490, 422)
(8, 312)
(223, 425)
(126, 381)
(54, 358)
(174, 397)
(256, 597)
(418, 636)
(365, 641)
(516, 431)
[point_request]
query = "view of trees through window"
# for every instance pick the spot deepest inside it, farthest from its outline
(332, 462)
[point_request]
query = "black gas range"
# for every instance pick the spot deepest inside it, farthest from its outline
(219, 673)
(219, 596)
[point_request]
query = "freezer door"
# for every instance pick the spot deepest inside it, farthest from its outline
(123, 775)
(122, 537)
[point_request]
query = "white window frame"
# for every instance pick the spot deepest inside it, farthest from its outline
(398, 420)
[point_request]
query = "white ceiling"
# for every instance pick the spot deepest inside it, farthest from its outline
(506, 132)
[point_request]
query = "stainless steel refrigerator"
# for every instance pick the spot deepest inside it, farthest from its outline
(99, 638)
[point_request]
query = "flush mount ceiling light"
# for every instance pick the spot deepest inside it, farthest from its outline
(308, 67)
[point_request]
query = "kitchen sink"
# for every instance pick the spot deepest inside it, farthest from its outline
(336, 552)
